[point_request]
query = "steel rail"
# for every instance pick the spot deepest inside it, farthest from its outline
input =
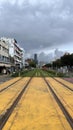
(9, 85)
(62, 107)
(67, 80)
(12, 84)
(64, 85)
(60, 104)
(4, 117)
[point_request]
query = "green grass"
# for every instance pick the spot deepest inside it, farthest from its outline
(25, 73)
(29, 73)
(53, 73)
(38, 73)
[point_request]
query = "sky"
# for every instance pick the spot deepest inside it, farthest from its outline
(44, 27)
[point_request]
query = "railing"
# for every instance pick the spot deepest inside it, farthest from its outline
(3, 61)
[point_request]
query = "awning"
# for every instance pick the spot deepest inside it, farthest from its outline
(6, 65)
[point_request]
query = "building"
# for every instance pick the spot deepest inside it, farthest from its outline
(27, 62)
(15, 53)
(23, 57)
(35, 58)
(4, 57)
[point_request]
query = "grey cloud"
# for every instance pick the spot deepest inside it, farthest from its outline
(50, 56)
(45, 57)
(58, 53)
(40, 23)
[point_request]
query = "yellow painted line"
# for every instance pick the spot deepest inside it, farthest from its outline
(8, 96)
(64, 94)
(65, 82)
(37, 110)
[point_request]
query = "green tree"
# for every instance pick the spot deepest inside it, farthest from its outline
(66, 60)
(32, 64)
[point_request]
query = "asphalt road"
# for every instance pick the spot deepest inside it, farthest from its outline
(4, 78)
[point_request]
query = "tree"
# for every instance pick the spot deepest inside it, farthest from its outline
(57, 63)
(66, 60)
(48, 65)
(32, 64)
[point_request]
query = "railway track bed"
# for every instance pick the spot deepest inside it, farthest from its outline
(8, 96)
(38, 109)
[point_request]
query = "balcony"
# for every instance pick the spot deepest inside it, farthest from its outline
(4, 61)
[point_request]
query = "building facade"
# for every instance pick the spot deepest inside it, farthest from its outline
(4, 57)
(35, 58)
(12, 53)
(18, 56)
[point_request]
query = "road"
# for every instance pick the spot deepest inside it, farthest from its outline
(4, 78)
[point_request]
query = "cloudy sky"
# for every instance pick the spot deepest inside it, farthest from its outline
(40, 26)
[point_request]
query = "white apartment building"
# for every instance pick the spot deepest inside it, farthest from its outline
(4, 56)
(23, 56)
(15, 52)
(18, 55)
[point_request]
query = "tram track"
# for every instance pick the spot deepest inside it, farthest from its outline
(64, 94)
(66, 86)
(4, 117)
(68, 80)
(59, 102)
(62, 107)
(7, 112)
(11, 100)
(8, 96)
(30, 104)
(10, 85)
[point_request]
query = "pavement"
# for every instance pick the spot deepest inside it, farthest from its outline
(4, 78)
(69, 79)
